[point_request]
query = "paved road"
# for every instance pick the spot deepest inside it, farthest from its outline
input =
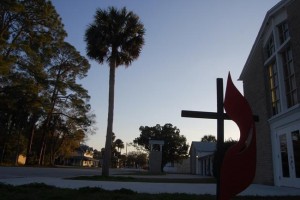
(64, 172)
(20, 172)
(54, 176)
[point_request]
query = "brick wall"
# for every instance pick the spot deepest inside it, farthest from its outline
(294, 28)
(255, 91)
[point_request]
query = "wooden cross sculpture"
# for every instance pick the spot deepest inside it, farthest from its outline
(238, 165)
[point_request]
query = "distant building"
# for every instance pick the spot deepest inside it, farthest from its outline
(182, 167)
(271, 78)
(82, 156)
(201, 158)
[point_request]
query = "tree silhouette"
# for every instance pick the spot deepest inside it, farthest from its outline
(119, 144)
(208, 138)
(175, 147)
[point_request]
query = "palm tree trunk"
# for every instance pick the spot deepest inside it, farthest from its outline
(110, 118)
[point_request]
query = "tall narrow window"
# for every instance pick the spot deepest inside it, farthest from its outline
(274, 88)
(270, 47)
(283, 32)
(284, 156)
(289, 77)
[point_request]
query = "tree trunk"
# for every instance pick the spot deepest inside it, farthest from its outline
(108, 143)
(30, 140)
(18, 149)
(3, 153)
(45, 128)
(42, 146)
(29, 145)
(53, 148)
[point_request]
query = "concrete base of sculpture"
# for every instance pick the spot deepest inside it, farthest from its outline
(155, 159)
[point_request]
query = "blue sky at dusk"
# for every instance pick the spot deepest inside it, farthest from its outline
(188, 44)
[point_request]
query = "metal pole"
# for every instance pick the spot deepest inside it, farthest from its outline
(220, 129)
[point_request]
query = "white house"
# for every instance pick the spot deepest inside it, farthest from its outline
(201, 158)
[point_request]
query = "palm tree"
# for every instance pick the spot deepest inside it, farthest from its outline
(115, 37)
(119, 144)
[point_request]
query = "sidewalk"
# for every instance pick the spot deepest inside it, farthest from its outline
(152, 188)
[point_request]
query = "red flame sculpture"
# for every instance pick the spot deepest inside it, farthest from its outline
(239, 163)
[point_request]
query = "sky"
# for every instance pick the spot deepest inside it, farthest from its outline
(188, 45)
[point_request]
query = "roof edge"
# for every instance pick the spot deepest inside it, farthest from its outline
(268, 15)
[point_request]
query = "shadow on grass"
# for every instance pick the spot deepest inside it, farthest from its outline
(41, 191)
(141, 179)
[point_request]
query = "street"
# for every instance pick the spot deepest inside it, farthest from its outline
(55, 177)
(22, 172)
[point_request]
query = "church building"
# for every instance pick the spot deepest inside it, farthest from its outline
(271, 79)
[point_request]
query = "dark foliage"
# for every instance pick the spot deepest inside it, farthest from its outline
(175, 147)
(44, 112)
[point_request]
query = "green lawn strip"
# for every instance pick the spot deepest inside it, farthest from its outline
(141, 179)
(41, 191)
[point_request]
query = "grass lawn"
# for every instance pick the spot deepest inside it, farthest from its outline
(42, 191)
